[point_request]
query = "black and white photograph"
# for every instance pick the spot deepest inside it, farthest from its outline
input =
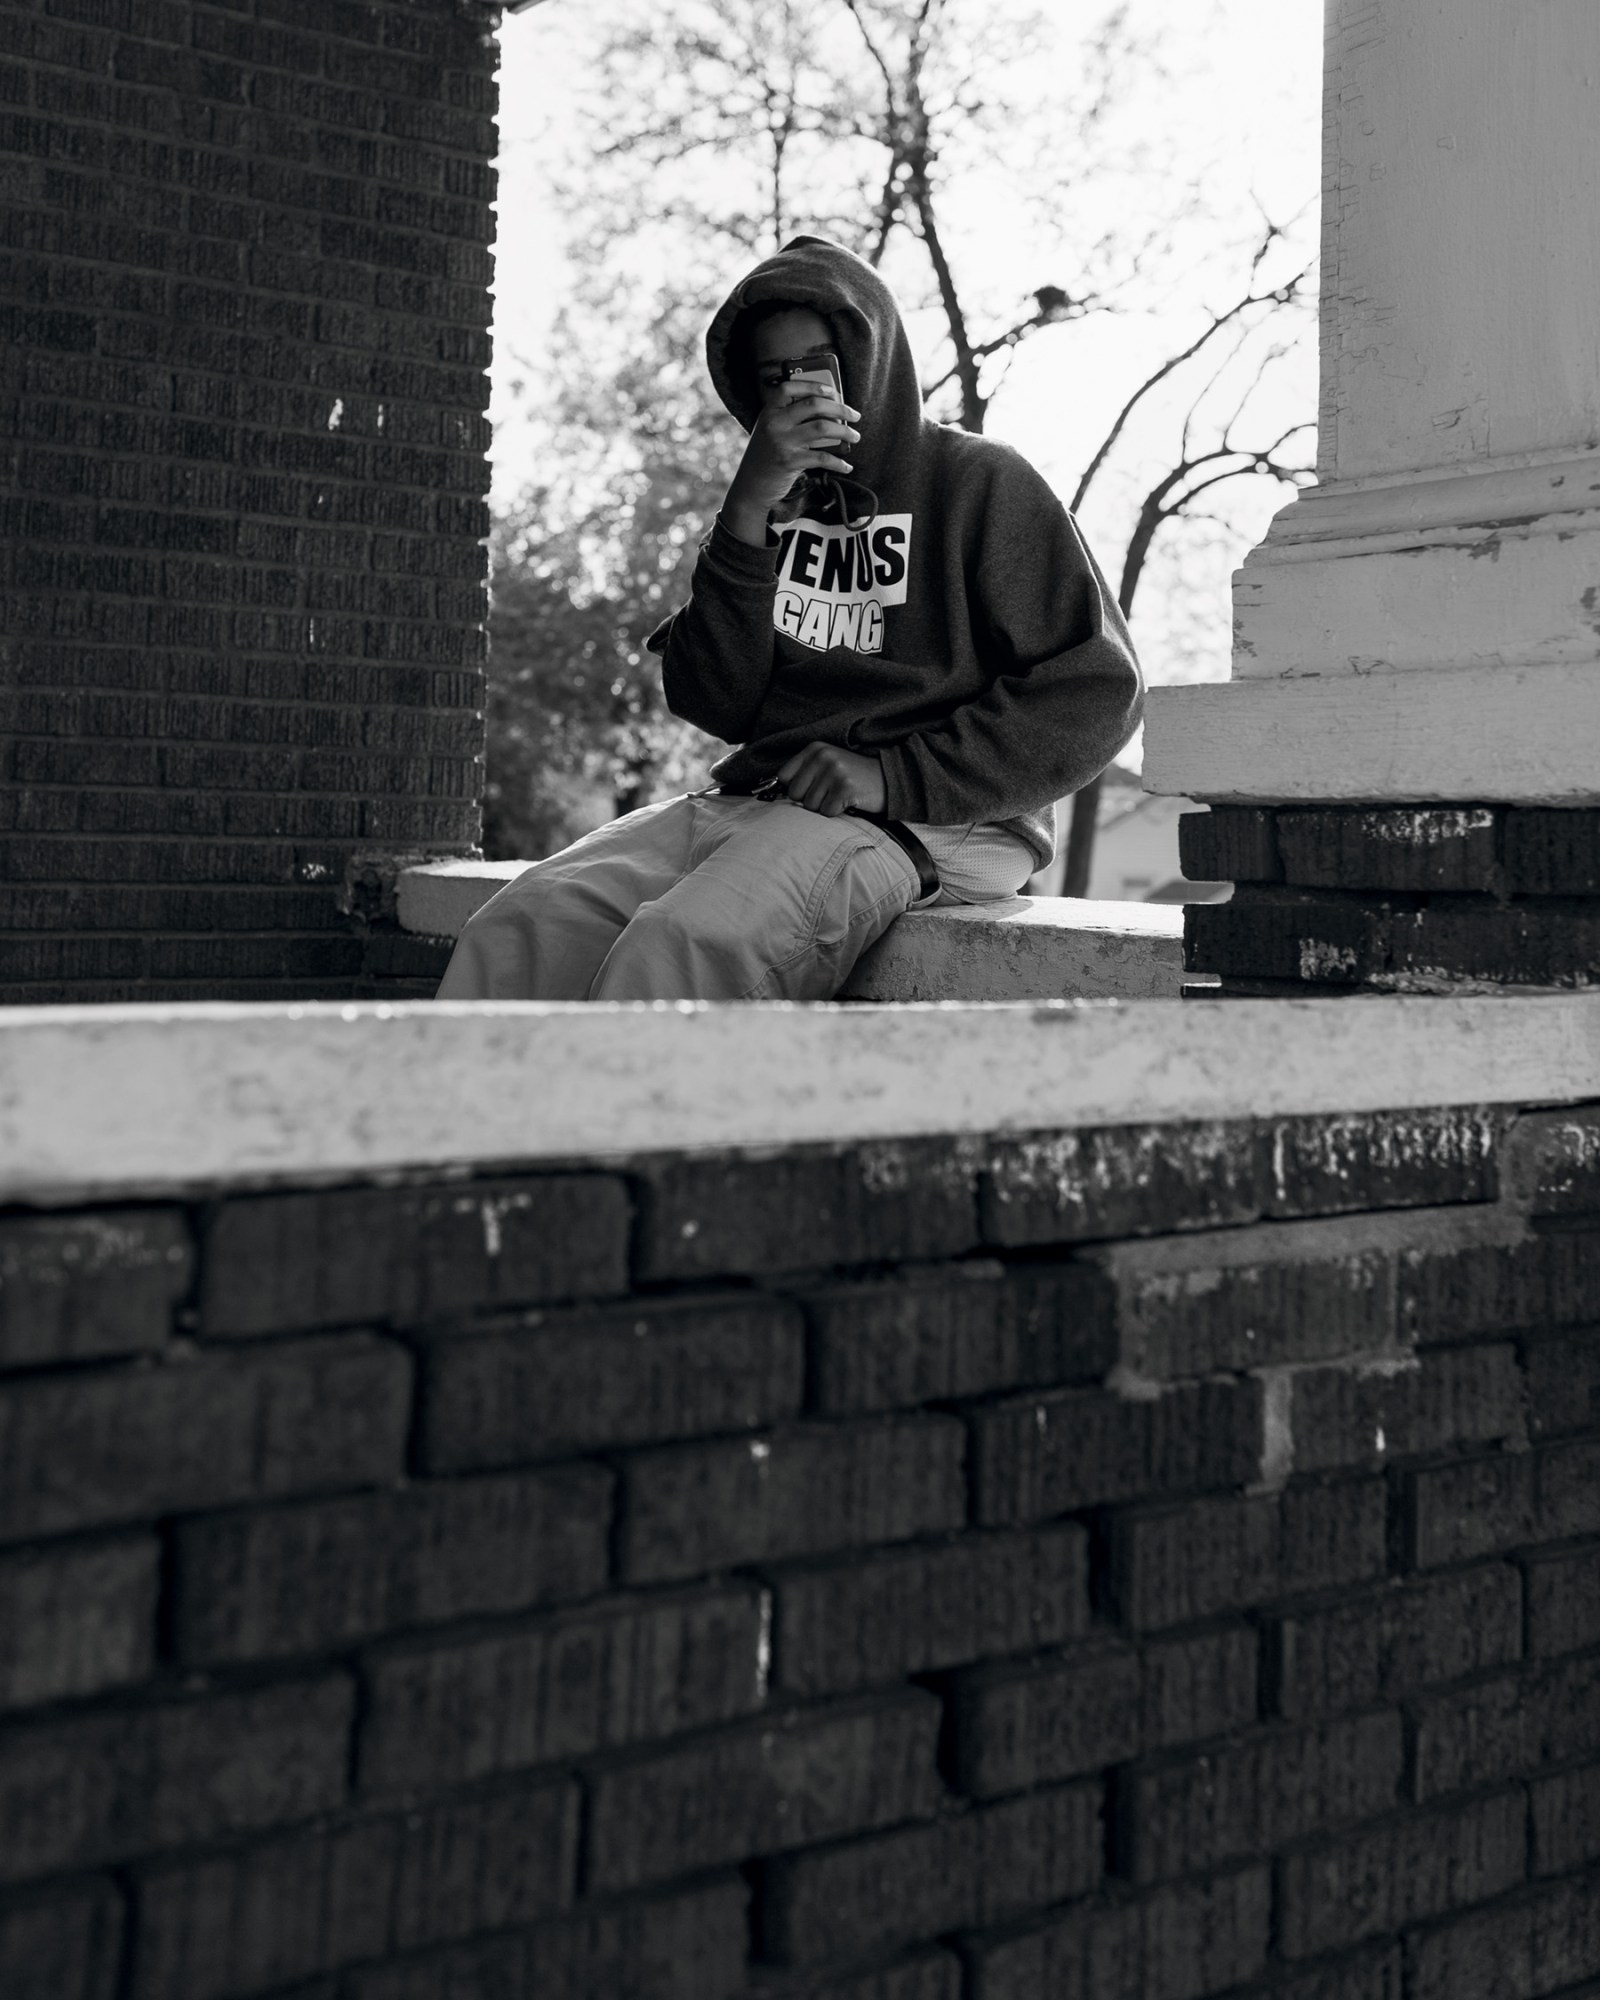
(799, 999)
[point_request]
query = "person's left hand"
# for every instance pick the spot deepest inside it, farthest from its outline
(825, 779)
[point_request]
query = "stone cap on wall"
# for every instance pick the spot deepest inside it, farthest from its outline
(130, 1101)
(1019, 948)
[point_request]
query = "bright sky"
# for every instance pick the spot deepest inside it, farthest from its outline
(1241, 110)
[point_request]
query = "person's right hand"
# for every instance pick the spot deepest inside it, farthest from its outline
(798, 428)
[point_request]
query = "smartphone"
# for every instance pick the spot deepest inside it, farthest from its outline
(823, 369)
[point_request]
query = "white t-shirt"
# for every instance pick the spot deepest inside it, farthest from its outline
(977, 863)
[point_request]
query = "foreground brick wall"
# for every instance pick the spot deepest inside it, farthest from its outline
(243, 328)
(1119, 1565)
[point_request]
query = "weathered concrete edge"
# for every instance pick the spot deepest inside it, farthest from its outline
(436, 898)
(1027, 948)
(125, 1101)
(1021, 948)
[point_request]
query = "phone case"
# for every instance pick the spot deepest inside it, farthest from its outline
(823, 369)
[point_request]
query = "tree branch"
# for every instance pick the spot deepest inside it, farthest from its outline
(1284, 294)
(874, 51)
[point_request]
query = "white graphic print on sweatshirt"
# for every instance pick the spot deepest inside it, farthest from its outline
(833, 582)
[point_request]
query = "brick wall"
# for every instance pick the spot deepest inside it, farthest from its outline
(243, 328)
(1396, 899)
(1136, 1564)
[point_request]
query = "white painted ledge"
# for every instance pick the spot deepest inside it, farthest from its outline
(126, 1101)
(1025, 948)
(1510, 735)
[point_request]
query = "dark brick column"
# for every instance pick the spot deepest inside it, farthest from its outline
(1395, 899)
(244, 259)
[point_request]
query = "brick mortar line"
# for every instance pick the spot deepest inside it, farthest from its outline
(149, 93)
(230, 606)
(267, 703)
(99, 177)
(213, 843)
(341, 659)
(310, 298)
(290, 385)
(11, 888)
(178, 235)
(283, 704)
(178, 461)
(249, 65)
(263, 704)
(187, 650)
(239, 567)
(181, 648)
(301, 121)
(157, 786)
(345, 482)
(156, 789)
(202, 511)
(233, 156)
(336, 662)
(114, 455)
(335, 571)
(167, 935)
(211, 153)
(113, 40)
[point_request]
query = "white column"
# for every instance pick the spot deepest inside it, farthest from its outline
(1425, 622)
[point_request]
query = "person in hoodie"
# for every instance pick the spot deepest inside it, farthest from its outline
(898, 627)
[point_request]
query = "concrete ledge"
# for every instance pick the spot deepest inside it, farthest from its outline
(438, 897)
(131, 1101)
(1497, 735)
(1025, 948)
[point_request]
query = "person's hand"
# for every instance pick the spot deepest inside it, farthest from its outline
(825, 779)
(801, 427)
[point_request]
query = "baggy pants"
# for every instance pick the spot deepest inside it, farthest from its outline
(700, 898)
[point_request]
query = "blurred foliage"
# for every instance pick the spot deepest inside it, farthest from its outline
(584, 566)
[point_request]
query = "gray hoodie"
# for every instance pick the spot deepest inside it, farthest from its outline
(966, 636)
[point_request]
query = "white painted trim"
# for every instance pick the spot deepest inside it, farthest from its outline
(126, 1101)
(1493, 490)
(1492, 735)
(1437, 598)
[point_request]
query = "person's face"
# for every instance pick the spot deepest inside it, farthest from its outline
(796, 335)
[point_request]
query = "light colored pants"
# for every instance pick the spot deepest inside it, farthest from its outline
(698, 898)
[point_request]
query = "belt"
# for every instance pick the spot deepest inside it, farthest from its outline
(902, 836)
(910, 846)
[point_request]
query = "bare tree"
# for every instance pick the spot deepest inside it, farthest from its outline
(724, 126)
(741, 121)
(910, 131)
(1174, 492)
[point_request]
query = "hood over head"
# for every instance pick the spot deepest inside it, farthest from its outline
(875, 360)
